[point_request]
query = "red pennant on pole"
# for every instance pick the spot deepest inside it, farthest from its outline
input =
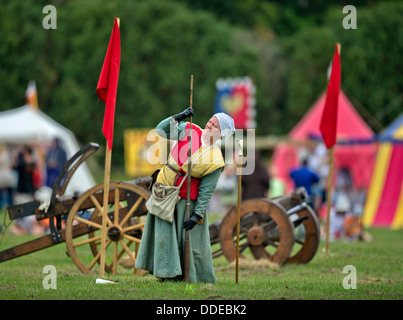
(328, 123)
(108, 82)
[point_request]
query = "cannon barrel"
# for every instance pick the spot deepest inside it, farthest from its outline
(292, 199)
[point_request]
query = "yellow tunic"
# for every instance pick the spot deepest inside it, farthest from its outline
(203, 165)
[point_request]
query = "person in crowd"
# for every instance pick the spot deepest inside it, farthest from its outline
(24, 165)
(304, 177)
(338, 216)
(257, 184)
(7, 178)
(55, 160)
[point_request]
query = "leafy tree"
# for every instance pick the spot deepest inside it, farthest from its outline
(370, 57)
(285, 47)
(163, 43)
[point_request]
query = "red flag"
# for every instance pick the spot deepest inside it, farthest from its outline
(108, 82)
(328, 123)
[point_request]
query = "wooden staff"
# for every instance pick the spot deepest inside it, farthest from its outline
(187, 244)
(238, 211)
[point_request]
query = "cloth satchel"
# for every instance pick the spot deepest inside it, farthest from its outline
(163, 198)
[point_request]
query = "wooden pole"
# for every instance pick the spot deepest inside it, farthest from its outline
(108, 157)
(238, 211)
(329, 196)
(107, 176)
(187, 243)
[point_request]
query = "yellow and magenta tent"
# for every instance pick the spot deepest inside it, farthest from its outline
(384, 204)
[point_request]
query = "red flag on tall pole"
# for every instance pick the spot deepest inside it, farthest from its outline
(328, 127)
(108, 82)
(328, 123)
(106, 91)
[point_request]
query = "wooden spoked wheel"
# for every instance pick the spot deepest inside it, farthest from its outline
(265, 229)
(124, 228)
(306, 234)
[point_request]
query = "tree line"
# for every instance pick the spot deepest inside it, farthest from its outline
(284, 47)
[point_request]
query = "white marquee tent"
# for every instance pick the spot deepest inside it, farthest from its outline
(26, 124)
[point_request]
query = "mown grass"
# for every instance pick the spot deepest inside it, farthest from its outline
(378, 265)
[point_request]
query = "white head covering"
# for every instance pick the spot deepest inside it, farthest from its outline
(342, 203)
(227, 125)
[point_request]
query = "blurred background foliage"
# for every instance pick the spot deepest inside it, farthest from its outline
(285, 47)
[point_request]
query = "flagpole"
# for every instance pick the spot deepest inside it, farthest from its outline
(108, 157)
(187, 243)
(330, 185)
(238, 211)
(107, 176)
(329, 195)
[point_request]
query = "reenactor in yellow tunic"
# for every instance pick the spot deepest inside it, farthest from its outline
(161, 250)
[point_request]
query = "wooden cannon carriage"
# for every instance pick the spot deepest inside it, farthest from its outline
(283, 230)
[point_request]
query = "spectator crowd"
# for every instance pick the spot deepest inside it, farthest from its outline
(24, 170)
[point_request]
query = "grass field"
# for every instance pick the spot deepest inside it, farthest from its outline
(378, 266)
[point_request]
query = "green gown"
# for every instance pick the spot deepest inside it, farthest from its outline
(161, 250)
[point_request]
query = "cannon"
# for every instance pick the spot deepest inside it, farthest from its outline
(282, 230)
(77, 220)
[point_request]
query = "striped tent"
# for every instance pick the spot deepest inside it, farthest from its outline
(384, 204)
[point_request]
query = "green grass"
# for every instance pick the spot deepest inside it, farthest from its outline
(378, 265)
